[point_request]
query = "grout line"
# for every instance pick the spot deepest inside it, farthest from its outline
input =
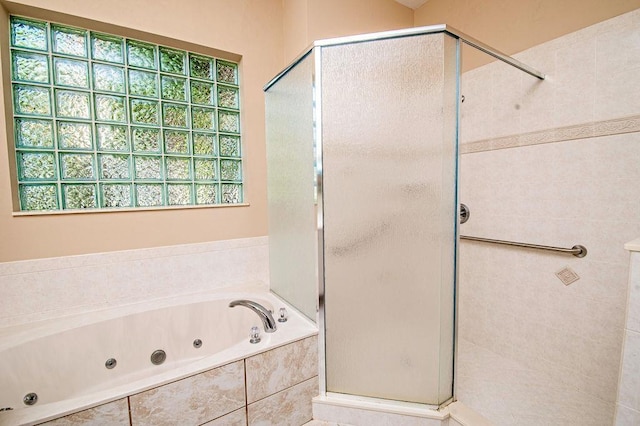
(284, 389)
(129, 407)
(246, 394)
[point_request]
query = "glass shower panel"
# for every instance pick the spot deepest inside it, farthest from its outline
(389, 194)
(290, 185)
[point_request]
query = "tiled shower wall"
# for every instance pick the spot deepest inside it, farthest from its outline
(42, 289)
(552, 162)
(628, 404)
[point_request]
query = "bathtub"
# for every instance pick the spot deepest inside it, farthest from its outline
(64, 361)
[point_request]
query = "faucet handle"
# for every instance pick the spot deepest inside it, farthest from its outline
(282, 315)
(254, 335)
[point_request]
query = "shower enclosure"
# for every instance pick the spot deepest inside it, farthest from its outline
(362, 174)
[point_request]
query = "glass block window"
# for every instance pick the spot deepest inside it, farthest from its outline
(109, 122)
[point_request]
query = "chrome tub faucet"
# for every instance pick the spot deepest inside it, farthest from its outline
(264, 314)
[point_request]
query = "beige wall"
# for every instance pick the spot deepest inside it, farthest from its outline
(295, 29)
(309, 20)
(267, 34)
(250, 28)
(513, 26)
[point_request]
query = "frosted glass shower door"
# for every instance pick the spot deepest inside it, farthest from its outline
(293, 255)
(389, 162)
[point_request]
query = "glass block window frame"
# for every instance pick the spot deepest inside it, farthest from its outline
(102, 121)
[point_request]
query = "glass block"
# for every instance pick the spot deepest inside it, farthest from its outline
(174, 115)
(203, 118)
(205, 169)
(231, 193)
(141, 54)
(178, 168)
(110, 108)
(228, 97)
(77, 166)
(108, 78)
(206, 194)
(176, 142)
(72, 104)
(79, 196)
(145, 140)
(142, 83)
(226, 72)
(229, 146)
(31, 100)
(106, 48)
(30, 67)
(29, 34)
(230, 170)
(69, 41)
(204, 144)
(147, 167)
(174, 88)
(112, 138)
(148, 195)
(36, 165)
(74, 135)
(116, 195)
(145, 112)
(179, 195)
(114, 166)
(68, 72)
(201, 67)
(39, 197)
(229, 121)
(172, 61)
(201, 93)
(34, 133)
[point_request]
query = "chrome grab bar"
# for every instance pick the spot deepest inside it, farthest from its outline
(577, 250)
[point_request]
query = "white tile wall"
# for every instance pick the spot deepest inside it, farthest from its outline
(628, 403)
(41, 289)
(532, 342)
(591, 74)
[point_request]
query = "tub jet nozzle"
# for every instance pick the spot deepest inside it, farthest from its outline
(30, 398)
(158, 357)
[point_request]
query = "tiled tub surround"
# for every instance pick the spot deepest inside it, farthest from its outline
(279, 386)
(628, 403)
(551, 162)
(75, 284)
(63, 361)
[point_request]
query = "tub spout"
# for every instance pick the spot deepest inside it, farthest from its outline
(264, 314)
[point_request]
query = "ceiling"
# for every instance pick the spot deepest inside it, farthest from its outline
(413, 4)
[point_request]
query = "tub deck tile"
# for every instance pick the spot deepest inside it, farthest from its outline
(191, 401)
(291, 407)
(281, 368)
(114, 413)
(236, 418)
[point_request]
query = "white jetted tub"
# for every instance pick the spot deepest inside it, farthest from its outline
(64, 361)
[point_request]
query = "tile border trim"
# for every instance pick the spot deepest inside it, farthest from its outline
(617, 126)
